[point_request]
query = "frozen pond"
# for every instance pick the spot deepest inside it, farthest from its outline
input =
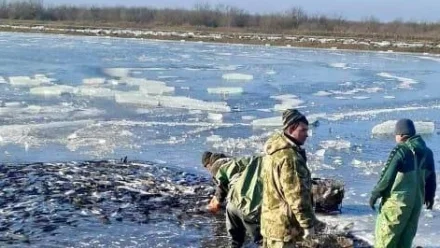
(68, 98)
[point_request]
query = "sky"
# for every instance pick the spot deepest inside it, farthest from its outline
(384, 10)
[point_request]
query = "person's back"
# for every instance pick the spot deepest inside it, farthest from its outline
(417, 165)
(407, 181)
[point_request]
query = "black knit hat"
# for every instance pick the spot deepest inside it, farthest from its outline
(215, 157)
(292, 117)
(206, 156)
(405, 127)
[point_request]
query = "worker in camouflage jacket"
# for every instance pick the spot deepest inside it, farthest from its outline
(407, 182)
(287, 210)
(238, 183)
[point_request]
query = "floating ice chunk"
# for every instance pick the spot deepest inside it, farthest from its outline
(93, 81)
(139, 98)
(190, 103)
(405, 82)
(335, 144)
(44, 79)
(22, 81)
(117, 72)
(320, 152)
(215, 117)
(237, 77)
(2, 80)
(422, 127)
(284, 97)
(323, 93)
(155, 88)
(287, 101)
(342, 98)
(136, 98)
(228, 67)
(55, 90)
(94, 92)
(225, 90)
(361, 97)
(214, 138)
(389, 97)
(340, 65)
(248, 117)
(277, 122)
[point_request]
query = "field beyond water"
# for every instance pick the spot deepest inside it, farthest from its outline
(77, 98)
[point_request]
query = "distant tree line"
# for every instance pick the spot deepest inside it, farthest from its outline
(294, 20)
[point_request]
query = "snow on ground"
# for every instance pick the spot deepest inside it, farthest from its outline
(422, 127)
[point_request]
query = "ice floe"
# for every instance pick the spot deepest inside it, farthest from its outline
(335, 144)
(215, 117)
(225, 90)
(93, 81)
(138, 98)
(24, 81)
(117, 72)
(405, 83)
(287, 101)
(422, 127)
(155, 88)
(55, 90)
(237, 77)
(94, 92)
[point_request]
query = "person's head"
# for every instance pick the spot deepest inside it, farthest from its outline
(404, 130)
(295, 125)
(206, 156)
(209, 158)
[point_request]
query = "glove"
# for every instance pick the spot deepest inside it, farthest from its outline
(309, 233)
(214, 205)
(373, 200)
(429, 204)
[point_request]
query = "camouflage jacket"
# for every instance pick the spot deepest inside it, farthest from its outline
(287, 206)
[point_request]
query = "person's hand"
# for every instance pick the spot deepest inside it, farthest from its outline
(320, 227)
(373, 200)
(429, 204)
(309, 233)
(214, 205)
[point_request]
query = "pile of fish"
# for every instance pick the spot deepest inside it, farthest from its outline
(35, 199)
(38, 199)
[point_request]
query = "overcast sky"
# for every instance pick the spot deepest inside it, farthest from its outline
(385, 10)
